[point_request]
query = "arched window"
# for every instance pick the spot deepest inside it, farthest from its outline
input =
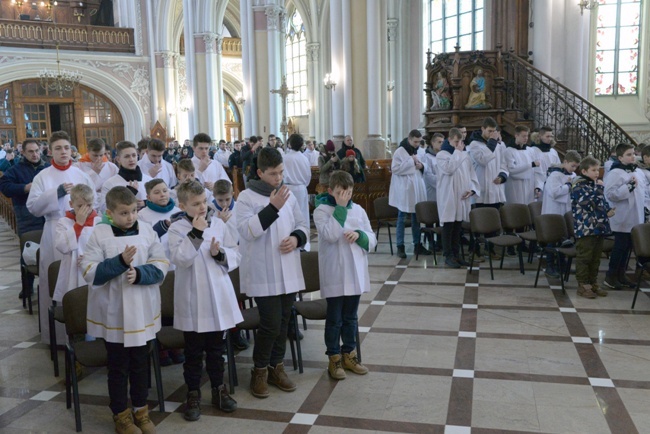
(296, 63)
(617, 47)
(454, 22)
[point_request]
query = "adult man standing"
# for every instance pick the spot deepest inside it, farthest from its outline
(152, 162)
(16, 184)
(273, 143)
(222, 154)
(207, 170)
(349, 145)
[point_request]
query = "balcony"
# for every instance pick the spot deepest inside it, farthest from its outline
(43, 34)
(231, 47)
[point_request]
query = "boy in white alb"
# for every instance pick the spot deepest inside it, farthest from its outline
(297, 176)
(430, 165)
(49, 198)
(72, 234)
(124, 264)
(208, 171)
(205, 305)
(344, 239)
(153, 164)
(158, 210)
(488, 156)
(130, 175)
(543, 152)
(520, 187)
(271, 231)
(96, 165)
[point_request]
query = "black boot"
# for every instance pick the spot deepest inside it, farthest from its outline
(419, 249)
(401, 253)
(193, 405)
(222, 399)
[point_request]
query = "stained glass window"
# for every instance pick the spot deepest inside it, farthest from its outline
(296, 66)
(617, 47)
(456, 22)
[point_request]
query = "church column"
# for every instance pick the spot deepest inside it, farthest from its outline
(337, 65)
(169, 59)
(210, 120)
(249, 68)
(221, 131)
(190, 66)
(314, 84)
(274, 65)
(346, 84)
(373, 145)
(392, 78)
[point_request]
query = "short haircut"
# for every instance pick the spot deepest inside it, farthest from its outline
(31, 141)
(83, 192)
(237, 141)
(96, 145)
(572, 157)
(340, 178)
(124, 144)
(640, 147)
(437, 136)
(253, 139)
(296, 141)
(459, 126)
(415, 133)
(200, 138)
(268, 158)
(621, 148)
(587, 163)
(150, 185)
(144, 143)
(222, 187)
(545, 129)
(156, 145)
(489, 122)
(644, 152)
(185, 165)
(59, 135)
(271, 136)
(119, 196)
(186, 190)
(455, 133)
(521, 129)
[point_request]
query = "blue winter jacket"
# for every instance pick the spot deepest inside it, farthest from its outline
(12, 185)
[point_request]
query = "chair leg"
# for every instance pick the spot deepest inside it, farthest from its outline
(638, 283)
(358, 344)
(434, 243)
(377, 236)
(75, 392)
(568, 270)
(298, 348)
(155, 358)
(292, 347)
(471, 262)
(390, 239)
(231, 362)
(521, 258)
(53, 344)
(559, 264)
(489, 255)
(539, 268)
(68, 381)
(503, 255)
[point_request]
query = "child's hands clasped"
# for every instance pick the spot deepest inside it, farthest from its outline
(128, 254)
(214, 247)
(288, 245)
(351, 236)
(279, 197)
(131, 275)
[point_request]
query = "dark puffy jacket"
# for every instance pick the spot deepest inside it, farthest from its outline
(12, 185)
(589, 208)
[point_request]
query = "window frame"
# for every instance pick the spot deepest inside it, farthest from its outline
(297, 103)
(457, 15)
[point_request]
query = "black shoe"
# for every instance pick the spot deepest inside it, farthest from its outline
(239, 341)
(552, 272)
(193, 406)
(222, 399)
(510, 252)
(22, 294)
(419, 249)
(462, 262)
(400, 252)
(612, 283)
(177, 356)
(291, 334)
(625, 282)
(451, 263)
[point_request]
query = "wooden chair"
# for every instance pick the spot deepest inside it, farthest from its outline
(87, 353)
(25, 270)
(516, 219)
(386, 216)
(426, 213)
(486, 222)
(552, 230)
(641, 245)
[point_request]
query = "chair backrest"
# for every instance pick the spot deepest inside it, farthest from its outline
(33, 236)
(550, 229)
(535, 209)
(485, 221)
(427, 212)
(75, 306)
(52, 276)
(234, 278)
(641, 240)
(384, 211)
(515, 217)
(310, 270)
(568, 220)
(167, 295)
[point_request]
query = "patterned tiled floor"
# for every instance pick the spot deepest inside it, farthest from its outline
(448, 352)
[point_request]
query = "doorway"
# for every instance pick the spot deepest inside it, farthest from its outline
(62, 119)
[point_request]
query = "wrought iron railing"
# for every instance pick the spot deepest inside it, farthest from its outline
(573, 119)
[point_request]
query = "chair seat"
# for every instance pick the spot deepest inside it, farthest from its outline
(505, 240)
(312, 309)
(391, 223)
(435, 230)
(569, 252)
(32, 269)
(90, 353)
(528, 235)
(251, 319)
(169, 337)
(58, 314)
(608, 245)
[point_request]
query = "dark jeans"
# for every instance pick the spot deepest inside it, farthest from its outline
(620, 253)
(271, 337)
(210, 343)
(451, 239)
(127, 365)
(341, 324)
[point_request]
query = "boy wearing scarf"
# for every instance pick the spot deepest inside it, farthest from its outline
(129, 175)
(624, 190)
(546, 155)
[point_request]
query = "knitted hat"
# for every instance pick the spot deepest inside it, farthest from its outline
(329, 146)
(350, 152)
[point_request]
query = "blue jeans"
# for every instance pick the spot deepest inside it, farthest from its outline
(341, 324)
(415, 228)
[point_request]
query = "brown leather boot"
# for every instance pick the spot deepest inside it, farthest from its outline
(585, 290)
(278, 377)
(259, 382)
(124, 423)
(351, 363)
(335, 369)
(143, 422)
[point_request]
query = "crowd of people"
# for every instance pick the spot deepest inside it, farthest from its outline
(119, 219)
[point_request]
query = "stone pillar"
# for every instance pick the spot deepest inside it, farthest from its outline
(373, 145)
(249, 68)
(275, 61)
(392, 114)
(346, 76)
(208, 44)
(314, 84)
(337, 66)
(169, 79)
(190, 66)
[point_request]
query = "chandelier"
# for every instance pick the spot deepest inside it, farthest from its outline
(60, 80)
